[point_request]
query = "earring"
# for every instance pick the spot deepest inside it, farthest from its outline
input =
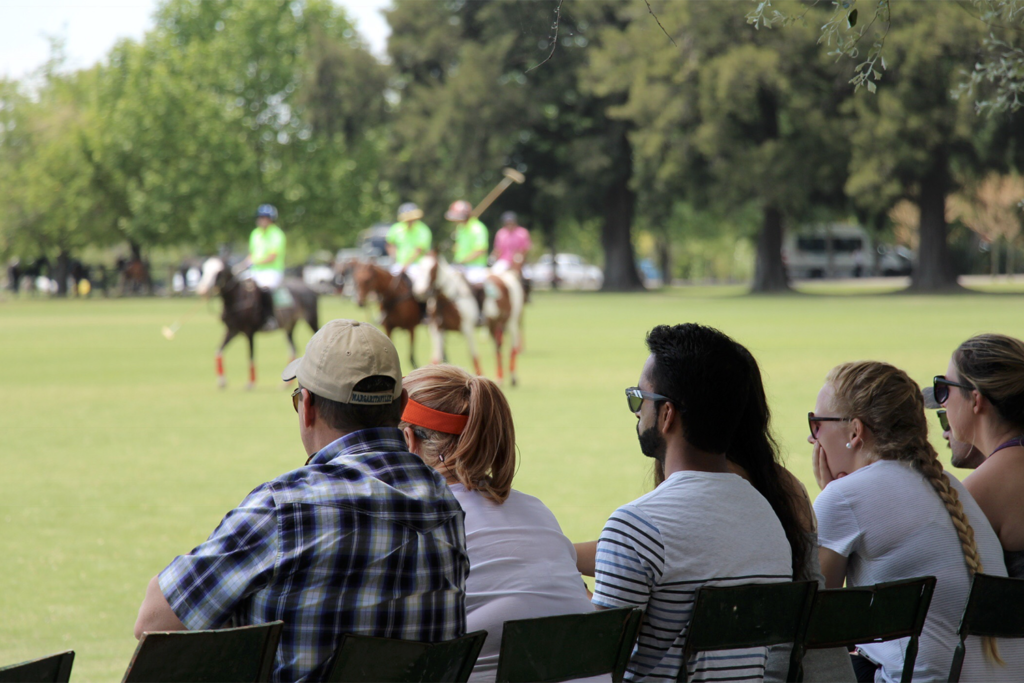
(847, 444)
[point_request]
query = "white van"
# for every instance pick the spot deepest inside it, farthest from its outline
(837, 250)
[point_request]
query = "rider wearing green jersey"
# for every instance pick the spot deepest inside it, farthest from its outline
(409, 239)
(266, 258)
(471, 239)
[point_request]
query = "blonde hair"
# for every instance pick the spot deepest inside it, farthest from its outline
(891, 406)
(994, 365)
(483, 457)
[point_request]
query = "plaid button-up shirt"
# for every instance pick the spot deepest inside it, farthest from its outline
(364, 539)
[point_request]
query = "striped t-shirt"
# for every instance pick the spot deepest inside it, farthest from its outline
(696, 528)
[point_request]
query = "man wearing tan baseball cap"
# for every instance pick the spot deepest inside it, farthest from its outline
(364, 538)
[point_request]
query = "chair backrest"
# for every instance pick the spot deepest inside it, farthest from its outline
(993, 609)
(231, 655)
(52, 669)
(367, 659)
(568, 646)
(872, 614)
(750, 615)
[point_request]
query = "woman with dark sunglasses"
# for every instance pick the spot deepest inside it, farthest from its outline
(887, 511)
(983, 394)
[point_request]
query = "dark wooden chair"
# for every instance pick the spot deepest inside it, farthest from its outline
(750, 615)
(994, 608)
(52, 669)
(366, 659)
(842, 617)
(568, 646)
(231, 655)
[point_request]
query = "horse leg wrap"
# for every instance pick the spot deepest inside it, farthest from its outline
(252, 373)
(501, 372)
(512, 362)
(476, 364)
(219, 363)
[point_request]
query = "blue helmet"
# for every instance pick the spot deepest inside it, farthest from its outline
(268, 211)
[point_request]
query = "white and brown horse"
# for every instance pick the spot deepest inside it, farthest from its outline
(502, 309)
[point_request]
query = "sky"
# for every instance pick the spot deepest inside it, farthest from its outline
(91, 27)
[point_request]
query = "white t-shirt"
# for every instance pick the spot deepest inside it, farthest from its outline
(521, 566)
(891, 524)
(696, 528)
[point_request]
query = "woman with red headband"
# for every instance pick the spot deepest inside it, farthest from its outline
(521, 566)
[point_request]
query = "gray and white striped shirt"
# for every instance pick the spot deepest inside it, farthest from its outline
(696, 528)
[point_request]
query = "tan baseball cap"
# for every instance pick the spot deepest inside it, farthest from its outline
(339, 356)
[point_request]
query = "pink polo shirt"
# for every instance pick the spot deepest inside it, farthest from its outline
(511, 241)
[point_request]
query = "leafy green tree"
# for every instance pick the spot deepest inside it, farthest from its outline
(477, 95)
(722, 115)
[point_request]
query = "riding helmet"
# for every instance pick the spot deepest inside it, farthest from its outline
(459, 211)
(409, 212)
(267, 211)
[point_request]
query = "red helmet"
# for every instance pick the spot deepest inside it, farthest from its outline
(459, 211)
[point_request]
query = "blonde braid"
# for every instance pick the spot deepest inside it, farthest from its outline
(927, 463)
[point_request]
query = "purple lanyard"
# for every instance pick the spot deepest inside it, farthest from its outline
(1019, 441)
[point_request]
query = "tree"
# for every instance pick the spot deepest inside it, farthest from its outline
(44, 179)
(723, 116)
(992, 209)
(914, 140)
(473, 99)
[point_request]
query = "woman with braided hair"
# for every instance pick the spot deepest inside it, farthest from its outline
(983, 393)
(887, 511)
(521, 566)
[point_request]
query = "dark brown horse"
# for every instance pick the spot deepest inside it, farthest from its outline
(244, 310)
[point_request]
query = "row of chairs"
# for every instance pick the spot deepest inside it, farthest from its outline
(553, 649)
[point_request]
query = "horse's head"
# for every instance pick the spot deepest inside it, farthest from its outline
(214, 274)
(424, 277)
(364, 275)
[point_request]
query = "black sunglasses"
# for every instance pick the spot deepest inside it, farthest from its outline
(941, 385)
(943, 420)
(635, 398)
(813, 420)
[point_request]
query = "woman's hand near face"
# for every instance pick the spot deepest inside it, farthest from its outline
(822, 474)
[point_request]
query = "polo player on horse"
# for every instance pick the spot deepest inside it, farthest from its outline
(266, 261)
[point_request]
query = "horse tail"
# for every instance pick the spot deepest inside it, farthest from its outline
(307, 301)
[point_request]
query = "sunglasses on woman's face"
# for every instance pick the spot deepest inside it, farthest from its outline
(813, 421)
(943, 420)
(941, 385)
(635, 398)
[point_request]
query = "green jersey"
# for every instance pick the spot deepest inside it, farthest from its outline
(471, 237)
(266, 241)
(408, 239)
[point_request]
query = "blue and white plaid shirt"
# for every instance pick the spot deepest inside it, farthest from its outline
(364, 539)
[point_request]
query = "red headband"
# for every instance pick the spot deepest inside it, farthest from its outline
(422, 416)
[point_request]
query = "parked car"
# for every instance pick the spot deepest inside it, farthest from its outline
(572, 272)
(318, 272)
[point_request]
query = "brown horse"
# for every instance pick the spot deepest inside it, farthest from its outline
(398, 308)
(244, 311)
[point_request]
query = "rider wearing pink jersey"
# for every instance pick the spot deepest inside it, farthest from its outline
(512, 242)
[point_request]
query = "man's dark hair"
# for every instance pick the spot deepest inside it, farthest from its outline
(702, 371)
(351, 417)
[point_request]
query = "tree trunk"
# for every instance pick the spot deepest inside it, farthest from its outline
(61, 272)
(620, 202)
(769, 271)
(665, 259)
(934, 272)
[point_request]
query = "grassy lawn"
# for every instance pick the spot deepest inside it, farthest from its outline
(119, 452)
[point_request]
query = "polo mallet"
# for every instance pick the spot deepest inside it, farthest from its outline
(511, 176)
(169, 332)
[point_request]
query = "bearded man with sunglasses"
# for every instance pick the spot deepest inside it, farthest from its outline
(703, 525)
(364, 538)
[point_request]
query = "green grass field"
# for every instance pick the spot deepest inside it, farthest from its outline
(119, 452)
